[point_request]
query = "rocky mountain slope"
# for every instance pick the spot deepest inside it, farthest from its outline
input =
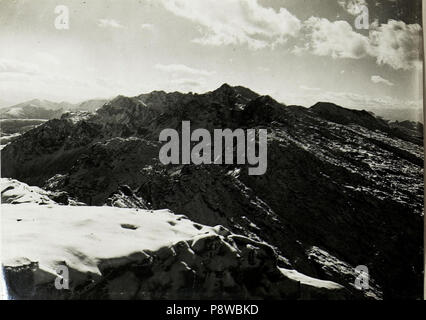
(343, 188)
(10, 129)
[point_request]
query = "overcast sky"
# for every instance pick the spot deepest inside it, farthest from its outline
(297, 51)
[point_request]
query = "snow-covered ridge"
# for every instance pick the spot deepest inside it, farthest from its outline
(15, 192)
(66, 233)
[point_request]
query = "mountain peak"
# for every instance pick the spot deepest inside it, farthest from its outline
(237, 91)
(224, 89)
(225, 86)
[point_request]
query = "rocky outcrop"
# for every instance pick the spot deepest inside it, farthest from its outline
(124, 197)
(16, 192)
(104, 167)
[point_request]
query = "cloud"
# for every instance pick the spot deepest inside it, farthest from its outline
(353, 7)
(18, 67)
(246, 22)
(336, 39)
(263, 69)
(111, 23)
(147, 26)
(24, 80)
(236, 22)
(181, 68)
(306, 88)
(47, 58)
(394, 43)
(184, 82)
(379, 79)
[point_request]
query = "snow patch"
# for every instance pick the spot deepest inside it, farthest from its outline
(83, 236)
(306, 280)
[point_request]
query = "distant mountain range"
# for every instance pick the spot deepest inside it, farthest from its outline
(44, 109)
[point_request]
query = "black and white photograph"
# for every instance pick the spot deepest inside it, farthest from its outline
(229, 150)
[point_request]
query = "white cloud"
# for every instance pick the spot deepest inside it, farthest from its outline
(246, 22)
(147, 26)
(229, 22)
(306, 88)
(187, 82)
(181, 68)
(184, 84)
(105, 23)
(263, 69)
(336, 39)
(395, 43)
(379, 79)
(18, 67)
(22, 80)
(353, 7)
(47, 58)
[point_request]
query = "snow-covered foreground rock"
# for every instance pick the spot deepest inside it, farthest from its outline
(114, 253)
(15, 192)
